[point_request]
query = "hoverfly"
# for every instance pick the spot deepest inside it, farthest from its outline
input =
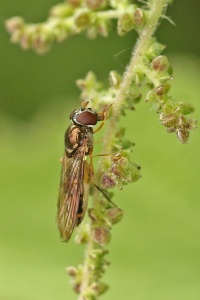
(72, 202)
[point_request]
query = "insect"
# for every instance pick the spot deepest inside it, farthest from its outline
(76, 172)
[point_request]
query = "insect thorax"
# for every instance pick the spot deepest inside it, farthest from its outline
(75, 136)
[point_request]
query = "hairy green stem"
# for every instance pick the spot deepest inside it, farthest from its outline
(86, 268)
(157, 7)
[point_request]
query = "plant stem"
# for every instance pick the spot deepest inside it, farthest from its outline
(86, 269)
(157, 8)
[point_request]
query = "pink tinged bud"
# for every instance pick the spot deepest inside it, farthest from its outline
(99, 287)
(74, 3)
(163, 89)
(160, 63)
(14, 24)
(77, 288)
(114, 215)
(183, 135)
(138, 17)
(107, 182)
(95, 4)
(101, 236)
(169, 120)
(72, 271)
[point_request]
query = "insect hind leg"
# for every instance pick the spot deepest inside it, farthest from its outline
(105, 195)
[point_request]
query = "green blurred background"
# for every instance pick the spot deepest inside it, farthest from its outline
(155, 250)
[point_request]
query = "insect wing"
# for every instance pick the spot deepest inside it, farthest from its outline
(70, 202)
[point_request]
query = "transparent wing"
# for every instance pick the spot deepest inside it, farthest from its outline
(71, 205)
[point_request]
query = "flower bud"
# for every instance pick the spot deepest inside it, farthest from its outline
(72, 271)
(107, 182)
(99, 287)
(14, 24)
(168, 120)
(103, 27)
(114, 214)
(160, 63)
(74, 3)
(183, 135)
(151, 96)
(82, 234)
(138, 17)
(83, 19)
(121, 172)
(101, 235)
(92, 32)
(114, 79)
(163, 89)
(125, 23)
(185, 108)
(95, 4)
(62, 10)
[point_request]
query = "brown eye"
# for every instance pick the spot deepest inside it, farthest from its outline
(87, 118)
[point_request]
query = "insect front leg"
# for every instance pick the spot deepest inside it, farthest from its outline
(91, 170)
(102, 117)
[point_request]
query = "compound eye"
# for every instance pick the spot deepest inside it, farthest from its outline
(87, 118)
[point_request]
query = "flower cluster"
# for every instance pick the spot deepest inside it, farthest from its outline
(73, 17)
(173, 115)
(96, 235)
(121, 172)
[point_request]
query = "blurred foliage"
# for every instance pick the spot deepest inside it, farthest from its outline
(155, 249)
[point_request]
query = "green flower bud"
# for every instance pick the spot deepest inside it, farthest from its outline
(83, 19)
(92, 32)
(82, 234)
(125, 23)
(154, 49)
(185, 108)
(151, 96)
(99, 287)
(62, 10)
(119, 3)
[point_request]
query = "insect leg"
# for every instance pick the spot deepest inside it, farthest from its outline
(102, 117)
(104, 194)
(91, 176)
